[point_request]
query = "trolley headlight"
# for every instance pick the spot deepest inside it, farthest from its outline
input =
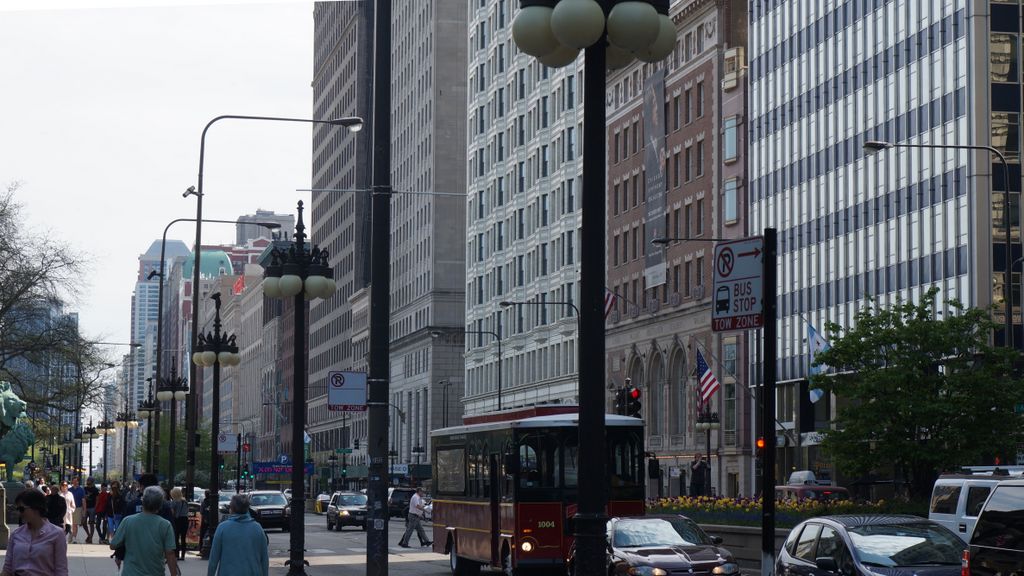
(526, 546)
(646, 571)
(727, 568)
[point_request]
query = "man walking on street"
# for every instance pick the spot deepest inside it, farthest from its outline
(78, 515)
(414, 521)
(89, 520)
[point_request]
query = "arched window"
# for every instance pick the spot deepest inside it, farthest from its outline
(677, 391)
(655, 402)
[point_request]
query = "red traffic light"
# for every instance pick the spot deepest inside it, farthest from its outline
(760, 444)
(634, 393)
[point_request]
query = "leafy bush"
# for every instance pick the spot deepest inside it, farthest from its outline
(788, 513)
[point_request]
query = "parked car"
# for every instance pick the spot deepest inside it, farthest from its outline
(997, 544)
(398, 501)
(957, 500)
(322, 501)
(346, 509)
(811, 492)
(270, 508)
(653, 545)
(892, 545)
(428, 510)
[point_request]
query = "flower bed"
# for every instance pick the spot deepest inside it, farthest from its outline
(788, 513)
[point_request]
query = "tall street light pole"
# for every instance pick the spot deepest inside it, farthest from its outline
(302, 273)
(173, 390)
(149, 410)
(191, 408)
(106, 428)
(126, 421)
(214, 349)
(610, 33)
(873, 145)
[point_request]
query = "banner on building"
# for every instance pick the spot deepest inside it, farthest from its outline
(654, 177)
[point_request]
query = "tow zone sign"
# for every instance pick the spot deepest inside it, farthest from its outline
(739, 285)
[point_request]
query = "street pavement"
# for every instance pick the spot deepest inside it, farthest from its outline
(329, 553)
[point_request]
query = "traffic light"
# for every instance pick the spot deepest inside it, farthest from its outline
(759, 445)
(633, 407)
(620, 401)
(220, 462)
(344, 472)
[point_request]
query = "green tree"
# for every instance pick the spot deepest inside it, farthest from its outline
(918, 393)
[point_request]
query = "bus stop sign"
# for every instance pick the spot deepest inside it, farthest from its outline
(739, 286)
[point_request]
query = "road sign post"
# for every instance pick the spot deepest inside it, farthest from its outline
(346, 391)
(739, 285)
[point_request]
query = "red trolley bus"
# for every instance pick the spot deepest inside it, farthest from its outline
(505, 486)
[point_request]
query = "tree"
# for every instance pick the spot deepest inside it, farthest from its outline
(918, 393)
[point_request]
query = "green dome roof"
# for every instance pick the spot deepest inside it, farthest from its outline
(213, 263)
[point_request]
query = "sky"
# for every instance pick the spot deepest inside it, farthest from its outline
(101, 113)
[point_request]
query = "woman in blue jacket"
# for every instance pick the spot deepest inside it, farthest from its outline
(240, 547)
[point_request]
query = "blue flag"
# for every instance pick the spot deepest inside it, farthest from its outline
(817, 345)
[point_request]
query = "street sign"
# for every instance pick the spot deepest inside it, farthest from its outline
(227, 443)
(346, 391)
(738, 285)
(342, 450)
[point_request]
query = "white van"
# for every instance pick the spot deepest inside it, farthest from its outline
(957, 500)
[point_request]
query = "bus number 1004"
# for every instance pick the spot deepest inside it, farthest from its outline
(545, 524)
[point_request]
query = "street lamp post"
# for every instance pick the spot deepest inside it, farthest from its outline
(354, 124)
(88, 435)
(106, 428)
(707, 421)
(301, 273)
(126, 421)
(874, 145)
(611, 33)
(173, 390)
(215, 349)
(444, 398)
(149, 410)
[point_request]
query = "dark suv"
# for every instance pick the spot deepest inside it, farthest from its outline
(398, 501)
(997, 545)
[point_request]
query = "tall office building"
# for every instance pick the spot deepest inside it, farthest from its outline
(428, 272)
(676, 169)
(246, 230)
(522, 219)
(338, 220)
(828, 76)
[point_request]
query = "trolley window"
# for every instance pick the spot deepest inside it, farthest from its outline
(451, 471)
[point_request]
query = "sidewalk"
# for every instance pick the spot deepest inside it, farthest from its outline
(94, 560)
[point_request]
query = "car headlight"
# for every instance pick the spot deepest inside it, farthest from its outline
(727, 568)
(343, 513)
(646, 571)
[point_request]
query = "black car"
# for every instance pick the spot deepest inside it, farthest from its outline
(270, 508)
(663, 545)
(346, 509)
(398, 501)
(997, 545)
(882, 545)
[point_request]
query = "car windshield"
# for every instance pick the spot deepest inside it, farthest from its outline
(644, 533)
(268, 500)
(353, 500)
(689, 531)
(917, 544)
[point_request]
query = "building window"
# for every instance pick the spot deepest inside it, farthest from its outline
(688, 96)
(625, 142)
(729, 201)
(687, 278)
(688, 157)
(675, 170)
(676, 113)
(700, 271)
(700, 99)
(700, 158)
(687, 219)
(700, 217)
(1006, 134)
(729, 134)
(1003, 57)
(615, 199)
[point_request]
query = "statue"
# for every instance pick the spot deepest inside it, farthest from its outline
(15, 439)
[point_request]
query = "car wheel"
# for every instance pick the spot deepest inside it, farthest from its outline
(460, 566)
(329, 525)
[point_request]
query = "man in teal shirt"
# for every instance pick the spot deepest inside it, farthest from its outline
(240, 547)
(148, 539)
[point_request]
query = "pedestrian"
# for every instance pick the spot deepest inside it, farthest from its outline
(698, 473)
(135, 505)
(147, 539)
(78, 512)
(414, 521)
(102, 510)
(240, 546)
(37, 547)
(69, 511)
(205, 511)
(92, 493)
(179, 506)
(116, 508)
(55, 507)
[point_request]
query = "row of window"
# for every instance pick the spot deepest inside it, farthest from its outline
(684, 110)
(526, 368)
(684, 222)
(540, 261)
(859, 76)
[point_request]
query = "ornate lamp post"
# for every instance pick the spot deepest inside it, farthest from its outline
(215, 349)
(302, 273)
(707, 421)
(105, 428)
(173, 390)
(126, 421)
(88, 435)
(149, 410)
(612, 34)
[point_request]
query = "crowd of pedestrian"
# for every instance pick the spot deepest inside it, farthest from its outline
(143, 524)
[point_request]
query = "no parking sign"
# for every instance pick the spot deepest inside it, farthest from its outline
(346, 391)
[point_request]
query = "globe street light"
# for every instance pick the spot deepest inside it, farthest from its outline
(213, 350)
(126, 421)
(173, 390)
(105, 428)
(149, 410)
(302, 272)
(612, 34)
(707, 421)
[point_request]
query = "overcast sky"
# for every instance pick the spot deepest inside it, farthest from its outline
(101, 112)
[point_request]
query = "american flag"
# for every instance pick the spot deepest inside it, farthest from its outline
(609, 302)
(708, 382)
